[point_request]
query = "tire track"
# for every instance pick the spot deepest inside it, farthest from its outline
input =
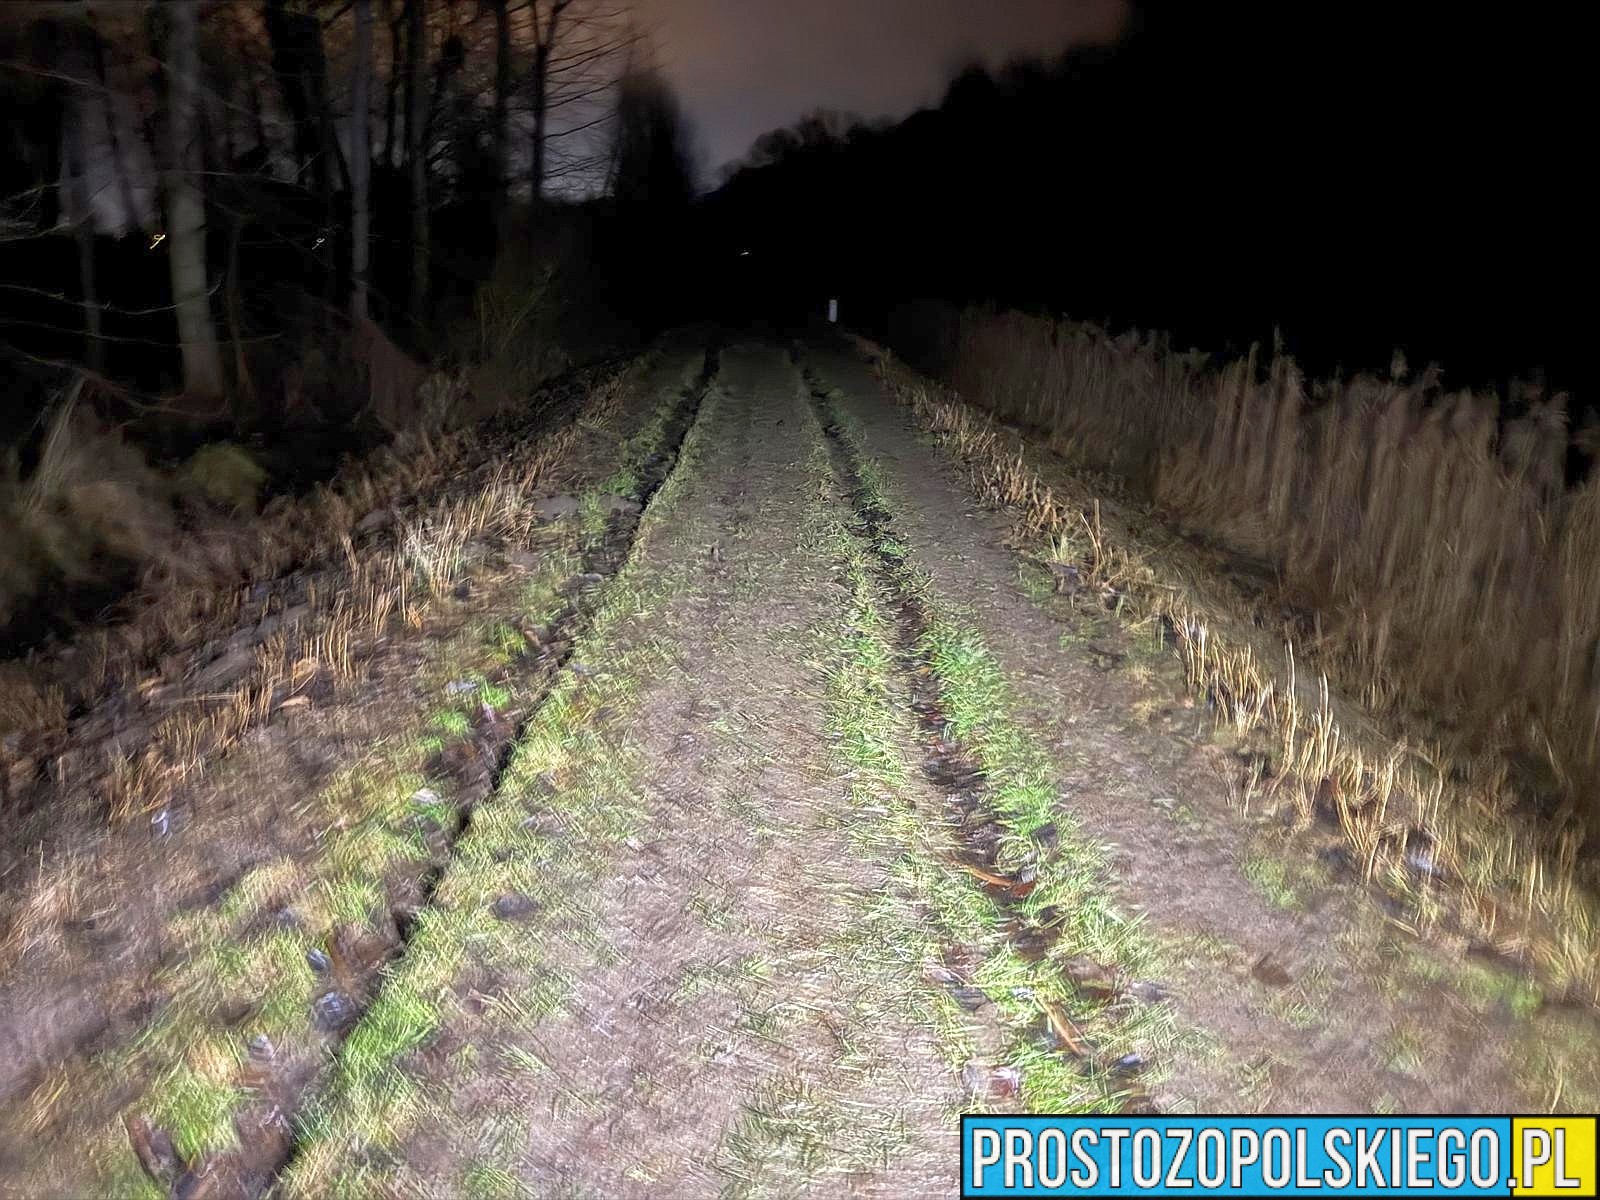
(957, 774)
(269, 1143)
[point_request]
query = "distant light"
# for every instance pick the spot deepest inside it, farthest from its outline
(157, 240)
(744, 254)
(318, 243)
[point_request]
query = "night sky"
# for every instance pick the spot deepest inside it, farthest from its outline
(743, 67)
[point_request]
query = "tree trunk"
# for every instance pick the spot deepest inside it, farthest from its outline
(360, 158)
(244, 387)
(284, 36)
(186, 209)
(417, 152)
(94, 354)
(258, 124)
(391, 117)
(301, 64)
(541, 74)
(502, 113)
(544, 42)
(83, 234)
(119, 163)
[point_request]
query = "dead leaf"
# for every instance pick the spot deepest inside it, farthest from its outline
(1094, 980)
(1068, 1034)
(1013, 889)
(154, 1148)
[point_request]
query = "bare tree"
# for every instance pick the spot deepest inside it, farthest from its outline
(77, 172)
(502, 106)
(578, 52)
(31, 136)
(446, 70)
(108, 101)
(652, 168)
(545, 33)
(360, 157)
(416, 149)
(300, 62)
(396, 22)
(186, 209)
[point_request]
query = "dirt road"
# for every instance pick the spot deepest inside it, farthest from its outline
(754, 812)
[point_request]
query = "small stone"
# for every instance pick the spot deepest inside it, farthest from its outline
(1065, 578)
(514, 906)
(317, 961)
(423, 797)
(1093, 980)
(154, 1149)
(556, 508)
(1147, 993)
(227, 668)
(1033, 942)
(993, 1083)
(612, 505)
(969, 998)
(333, 1010)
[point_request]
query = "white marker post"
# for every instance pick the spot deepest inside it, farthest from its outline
(833, 312)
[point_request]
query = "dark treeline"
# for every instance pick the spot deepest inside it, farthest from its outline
(242, 240)
(201, 199)
(1362, 177)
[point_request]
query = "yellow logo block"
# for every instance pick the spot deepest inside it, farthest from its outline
(1553, 1156)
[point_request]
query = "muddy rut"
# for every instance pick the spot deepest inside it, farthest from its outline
(254, 1167)
(957, 773)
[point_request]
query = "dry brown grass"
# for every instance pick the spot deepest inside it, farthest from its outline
(92, 512)
(89, 500)
(350, 581)
(1523, 887)
(1449, 568)
(365, 593)
(347, 617)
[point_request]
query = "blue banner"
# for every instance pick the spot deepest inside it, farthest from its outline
(1287, 1156)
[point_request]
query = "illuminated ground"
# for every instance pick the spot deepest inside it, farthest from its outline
(729, 847)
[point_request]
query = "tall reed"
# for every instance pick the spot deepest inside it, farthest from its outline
(1441, 562)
